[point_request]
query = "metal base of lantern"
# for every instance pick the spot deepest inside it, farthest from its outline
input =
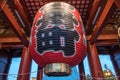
(57, 69)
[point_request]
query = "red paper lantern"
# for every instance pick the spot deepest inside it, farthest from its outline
(57, 35)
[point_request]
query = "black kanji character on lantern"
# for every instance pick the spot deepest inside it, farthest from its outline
(56, 39)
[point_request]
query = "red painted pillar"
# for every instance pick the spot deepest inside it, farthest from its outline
(82, 71)
(39, 73)
(94, 62)
(25, 65)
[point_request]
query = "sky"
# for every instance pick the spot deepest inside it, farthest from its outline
(104, 59)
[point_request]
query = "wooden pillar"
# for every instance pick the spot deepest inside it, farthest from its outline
(7, 67)
(25, 65)
(5, 62)
(40, 73)
(82, 71)
(117, 70)
(94, 62)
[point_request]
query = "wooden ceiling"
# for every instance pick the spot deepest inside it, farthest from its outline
(101, 19)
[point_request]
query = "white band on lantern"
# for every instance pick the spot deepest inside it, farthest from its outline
(57, 69)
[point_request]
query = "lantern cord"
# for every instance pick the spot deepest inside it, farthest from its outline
(5, 1)
(15, 75)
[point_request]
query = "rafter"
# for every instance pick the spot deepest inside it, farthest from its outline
(23, 15)
(92, 14)
(19, 12)
(15, 26)
(23, 2)
(99, 26)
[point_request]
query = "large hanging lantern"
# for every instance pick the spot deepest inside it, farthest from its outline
(57, 39)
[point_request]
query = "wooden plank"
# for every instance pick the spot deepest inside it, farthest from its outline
(15, 26)
(98, 28)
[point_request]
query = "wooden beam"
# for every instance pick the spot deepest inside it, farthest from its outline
(99, 26)
(15, 26)
(10, 45)
(21, 15)
(97, 15)
(24, 17)
(7, 36)
(92, 14)
(23, 2)
(104, 37)
(107, 38)
(109, 32)
(10, 40)
(106, 43)
(117, 3)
